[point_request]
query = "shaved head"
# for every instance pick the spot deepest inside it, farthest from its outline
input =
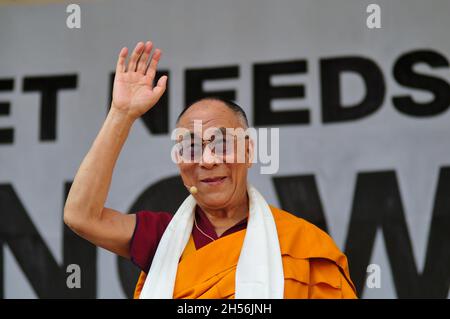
(237, 110)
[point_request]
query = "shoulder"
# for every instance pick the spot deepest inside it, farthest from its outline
(150, 217)
(149, 223)
(302, 241)
(150, 226)
(302, 238)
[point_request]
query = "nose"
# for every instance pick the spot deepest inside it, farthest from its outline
(209, 159)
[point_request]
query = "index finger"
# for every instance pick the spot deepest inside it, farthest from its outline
(151, 70)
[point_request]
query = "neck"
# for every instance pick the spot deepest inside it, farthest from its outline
(226, 217)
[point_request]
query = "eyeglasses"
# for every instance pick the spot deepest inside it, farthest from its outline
(222, 146)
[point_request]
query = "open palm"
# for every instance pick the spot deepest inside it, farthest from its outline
(133, 92)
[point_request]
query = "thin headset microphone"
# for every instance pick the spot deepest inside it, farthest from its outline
(192, 189)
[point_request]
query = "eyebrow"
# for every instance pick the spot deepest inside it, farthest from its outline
(222, 130)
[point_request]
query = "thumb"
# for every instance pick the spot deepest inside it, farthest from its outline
(160, 87)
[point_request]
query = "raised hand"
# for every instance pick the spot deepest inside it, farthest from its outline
(133, 92)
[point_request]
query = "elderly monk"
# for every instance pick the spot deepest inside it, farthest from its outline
(224, 241)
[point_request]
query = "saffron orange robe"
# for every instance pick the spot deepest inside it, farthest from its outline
(313, 265)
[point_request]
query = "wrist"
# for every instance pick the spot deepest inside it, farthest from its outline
(120, 115)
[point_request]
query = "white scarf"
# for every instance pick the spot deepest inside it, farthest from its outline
(259, 271)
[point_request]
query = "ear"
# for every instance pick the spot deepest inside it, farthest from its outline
(175, 155)
(250, 152)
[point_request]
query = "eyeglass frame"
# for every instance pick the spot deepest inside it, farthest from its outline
(221, 157)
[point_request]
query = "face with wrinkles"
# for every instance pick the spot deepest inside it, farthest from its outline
(221, 181)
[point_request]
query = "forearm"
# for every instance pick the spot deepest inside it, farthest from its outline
(90, 187)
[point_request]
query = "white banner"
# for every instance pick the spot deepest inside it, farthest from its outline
(362, 112)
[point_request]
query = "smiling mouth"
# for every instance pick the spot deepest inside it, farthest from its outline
(213, 180)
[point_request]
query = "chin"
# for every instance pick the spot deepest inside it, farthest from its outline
(215, 201)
